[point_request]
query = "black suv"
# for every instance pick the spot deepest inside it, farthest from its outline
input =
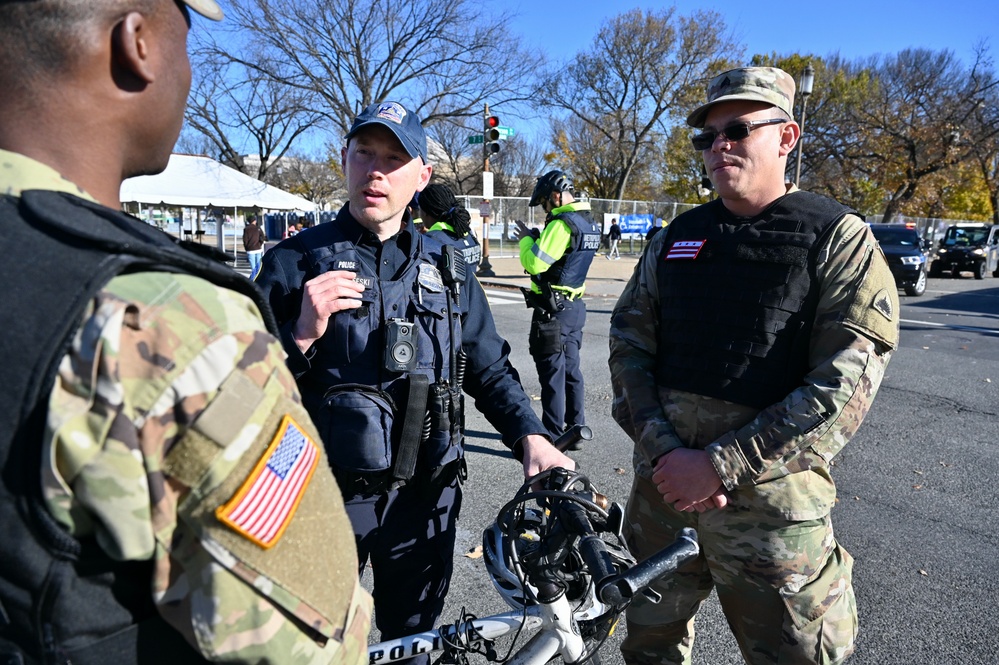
(905, 251)
(973, 247)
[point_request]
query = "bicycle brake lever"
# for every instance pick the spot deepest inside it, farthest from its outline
(652, 595)
(615, 520)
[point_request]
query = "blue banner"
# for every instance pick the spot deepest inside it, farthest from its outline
(635, 223)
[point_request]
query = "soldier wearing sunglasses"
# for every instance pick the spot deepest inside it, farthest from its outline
(745, 352)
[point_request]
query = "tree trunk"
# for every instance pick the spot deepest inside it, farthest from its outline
(891, 211)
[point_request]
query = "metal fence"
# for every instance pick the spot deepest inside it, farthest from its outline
(503, 212)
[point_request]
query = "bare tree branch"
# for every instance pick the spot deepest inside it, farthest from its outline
(443, 58)
(622, 94)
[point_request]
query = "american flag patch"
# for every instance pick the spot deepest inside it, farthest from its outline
(685, 249)
(263, 507)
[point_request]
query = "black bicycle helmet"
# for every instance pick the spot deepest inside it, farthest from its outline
(553, 181)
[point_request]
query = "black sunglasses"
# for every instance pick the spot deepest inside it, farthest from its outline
(734, 132)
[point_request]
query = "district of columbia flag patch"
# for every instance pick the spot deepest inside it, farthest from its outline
(263, 506)
(685, 249)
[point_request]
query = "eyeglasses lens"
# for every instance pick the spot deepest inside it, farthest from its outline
(735, 132)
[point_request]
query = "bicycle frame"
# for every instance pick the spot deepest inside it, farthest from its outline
(558, 635)
(571, 584)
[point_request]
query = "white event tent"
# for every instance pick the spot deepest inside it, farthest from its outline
(198, 182)
(191, 181)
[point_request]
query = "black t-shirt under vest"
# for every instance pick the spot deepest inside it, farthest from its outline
(738, 298)
(62, 599)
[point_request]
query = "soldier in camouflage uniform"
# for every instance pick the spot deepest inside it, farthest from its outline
(745, 352)
(165, 496)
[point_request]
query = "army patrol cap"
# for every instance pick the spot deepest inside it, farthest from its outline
(769, 85)
(207, 8)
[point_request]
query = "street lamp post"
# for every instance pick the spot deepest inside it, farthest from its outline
(807, 79)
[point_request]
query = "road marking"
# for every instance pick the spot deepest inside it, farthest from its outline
(498, 297)
(503, 297)
(933, 324)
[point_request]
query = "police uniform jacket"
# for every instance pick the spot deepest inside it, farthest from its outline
(402, 280)
(467, 245)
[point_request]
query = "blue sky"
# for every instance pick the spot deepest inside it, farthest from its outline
(850, 27)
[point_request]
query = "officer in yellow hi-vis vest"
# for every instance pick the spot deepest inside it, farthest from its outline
(557, 259)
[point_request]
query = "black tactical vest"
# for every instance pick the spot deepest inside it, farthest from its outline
(358, 403)
(571, 269)
(62, 600)
(738, 298)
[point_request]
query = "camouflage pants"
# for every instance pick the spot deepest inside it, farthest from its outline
(785, 587)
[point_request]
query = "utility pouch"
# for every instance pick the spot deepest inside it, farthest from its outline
(545, 338)
(544, 301)
(440, 419)
(356, 423)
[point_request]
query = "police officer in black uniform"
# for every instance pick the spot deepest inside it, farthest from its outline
(558, 259)
(383, 338)
(448, 221)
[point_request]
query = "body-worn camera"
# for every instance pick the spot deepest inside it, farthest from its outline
(400, 345)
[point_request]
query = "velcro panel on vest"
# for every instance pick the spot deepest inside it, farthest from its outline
(317, 590)
(192, 456)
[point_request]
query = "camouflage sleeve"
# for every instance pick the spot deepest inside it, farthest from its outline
(633, 341)
(170, 410)
(854, 334)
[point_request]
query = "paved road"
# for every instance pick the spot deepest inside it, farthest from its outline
(917, 485)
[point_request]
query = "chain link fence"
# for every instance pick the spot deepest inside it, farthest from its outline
(504, 211)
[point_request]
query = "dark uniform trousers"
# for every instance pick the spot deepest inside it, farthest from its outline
(408, 534)
(560, 373)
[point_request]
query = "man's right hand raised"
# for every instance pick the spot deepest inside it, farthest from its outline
(322, 297)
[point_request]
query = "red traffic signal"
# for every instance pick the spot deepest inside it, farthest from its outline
(492, 135)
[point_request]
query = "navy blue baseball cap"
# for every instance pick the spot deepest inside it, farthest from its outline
(405, 125)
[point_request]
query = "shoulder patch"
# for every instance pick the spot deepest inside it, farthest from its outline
(263, 506)
(882, 303)
(685, 249)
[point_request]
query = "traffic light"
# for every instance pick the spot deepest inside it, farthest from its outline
(492, 135)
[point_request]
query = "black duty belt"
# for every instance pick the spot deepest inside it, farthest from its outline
(562, 295)
(353, 483)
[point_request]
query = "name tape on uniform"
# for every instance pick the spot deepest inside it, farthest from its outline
(263, 506)
(685, 249)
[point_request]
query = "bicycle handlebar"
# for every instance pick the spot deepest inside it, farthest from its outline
(615, 589)
(621, 588)
(572, 436)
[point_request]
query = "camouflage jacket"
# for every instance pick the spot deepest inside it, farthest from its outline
(167, 412)
(775, 460)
